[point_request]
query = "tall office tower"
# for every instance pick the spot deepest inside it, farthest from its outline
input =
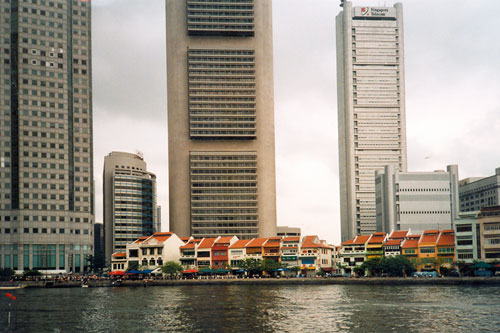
(46, 167)
(416, 201)
(371, 108)
(129, 201)
(221, 118)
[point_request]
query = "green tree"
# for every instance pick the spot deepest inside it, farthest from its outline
(359, 270)
(171, 268)
(32, 272)
(269, 265)
(253, 266)
(6, 273)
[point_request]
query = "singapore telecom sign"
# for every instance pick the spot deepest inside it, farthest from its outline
(374, 12)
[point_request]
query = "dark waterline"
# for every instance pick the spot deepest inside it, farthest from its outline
(256, 309)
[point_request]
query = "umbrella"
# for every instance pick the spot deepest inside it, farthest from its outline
(222, 271)
(190, 271)
(134, 271)
(116, 273)
(206, 271)
(241, 271)
(146, 271)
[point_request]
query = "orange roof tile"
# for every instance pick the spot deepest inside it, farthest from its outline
(398, 234)
(348, 242)
(377, 237)
(160, 236)
(447, 238)
(224, 240)
(291, 239)
(185, 239)
(256, 242)
(272, 244)
(189, 245)
(429, 236)
(392, 242)
(119, 254)
(240, 244)
(410, 244)
(361, 239)
(206, 243)
(309, 243)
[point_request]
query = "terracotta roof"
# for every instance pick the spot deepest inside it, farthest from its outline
(291, 239)
(206, 243)
(377, 237)
(392, 242)
(185, 239)
(396, 234)
(413, 237)
(256, 242)
(447, 238)
(160, 236)
(348, 242)
(309, 243)
(240, 244)
(429, 236)
(272, 244)
(410, 244)
(119, 254)
(189, 245)
(224, 240)
(361, 239)
(141, 239)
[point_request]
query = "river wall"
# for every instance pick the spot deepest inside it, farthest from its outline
(266, 281)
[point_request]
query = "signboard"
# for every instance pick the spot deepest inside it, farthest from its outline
(374, 12)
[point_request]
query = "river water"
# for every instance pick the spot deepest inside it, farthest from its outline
(308, 308)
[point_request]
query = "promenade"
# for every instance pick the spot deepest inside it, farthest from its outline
(493, 281)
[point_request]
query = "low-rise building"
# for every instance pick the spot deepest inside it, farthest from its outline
(409, 247)
(118, 261)
(467, 238)
(314, 255)
(204, 252)
(254, 248)
(427, 253)
(446, 248)
(271, 249)
(489, 226)
(289, 251)
(375, 244)
(392, 246)
(153, 251)
(354, 252)
(220, 251)
(237, 253)
(188, 258)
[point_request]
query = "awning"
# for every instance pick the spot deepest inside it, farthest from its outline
(147, 271)
(116, 273)
(190, 271)
(133, 271)
(482, 264)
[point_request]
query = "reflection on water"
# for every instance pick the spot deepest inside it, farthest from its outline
(256, 309)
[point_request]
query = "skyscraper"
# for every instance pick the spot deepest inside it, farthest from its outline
(371, 108)
(129, 201)
(221, 118)
(46, 167)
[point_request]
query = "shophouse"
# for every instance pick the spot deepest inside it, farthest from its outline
(118, 261)
(375, 244)
(446, 248)
(289, 251)
(427, 253)
(467, 237)
(254, 248)
(220, 249)
(409, 247)
(392, 246)
(237, 253)
(354, 252)
(271, 249)
(204, 252)
(188, 253)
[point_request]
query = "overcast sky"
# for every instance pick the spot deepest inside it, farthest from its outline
(452, 95)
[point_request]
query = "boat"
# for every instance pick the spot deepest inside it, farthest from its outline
(85, 285)
(13, 287)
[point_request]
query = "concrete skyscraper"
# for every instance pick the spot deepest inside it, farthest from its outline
(129, 201)
(46, 167)
(371, 108)
(221, 118)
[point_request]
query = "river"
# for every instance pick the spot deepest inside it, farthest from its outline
(247, 308)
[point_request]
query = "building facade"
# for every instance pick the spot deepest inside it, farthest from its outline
(489, 228)
(129, 201)
(221, 118)
(477, 192)
(46, 153)
(416, 200)
(467, 237)
(371, 108)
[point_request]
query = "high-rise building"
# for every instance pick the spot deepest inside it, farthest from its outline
(46, 166)
(221, 118)
(416, 201)
(479, 192)
(371, 108)
(129, 201)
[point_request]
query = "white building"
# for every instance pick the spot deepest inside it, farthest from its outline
(371, 108)
(416, 200)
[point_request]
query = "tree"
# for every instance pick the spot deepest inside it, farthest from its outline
(171, 268)
(253, 266)
(359, 270)
(269, 265)
(6, 273)
(32, 272)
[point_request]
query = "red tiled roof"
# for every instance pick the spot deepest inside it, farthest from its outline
(410, 244)
(206, 243)
(377, 237)
(291, 239)
(398, 234)
(185, 239)
(348, 242)
(256, 242)
(446, 238)
(160, 236)
(141, 239)
(224, 240)
(309, 243)
(361, 239)
(272, 244)
(240, 244)
(413, 237)
(119, 254)
(189, 245)
(392, 242)
(429, 236)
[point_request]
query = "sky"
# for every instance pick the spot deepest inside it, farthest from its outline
(452, 65)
